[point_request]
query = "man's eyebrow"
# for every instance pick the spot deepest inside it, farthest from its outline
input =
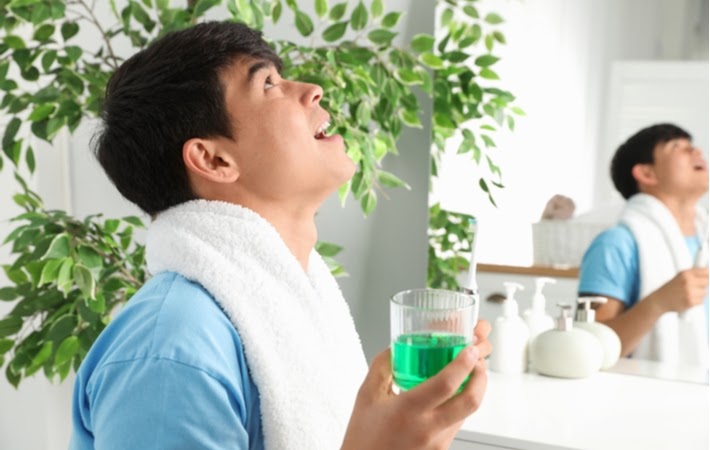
(257, 67)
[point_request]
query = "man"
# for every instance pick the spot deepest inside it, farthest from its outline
(648, 266)
(241, 339)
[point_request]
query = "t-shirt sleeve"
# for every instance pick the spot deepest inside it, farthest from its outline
(610, 266)
(164, 404)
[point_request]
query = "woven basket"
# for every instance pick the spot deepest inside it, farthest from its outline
(562, 243)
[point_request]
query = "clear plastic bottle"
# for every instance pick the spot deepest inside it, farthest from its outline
(509, 337)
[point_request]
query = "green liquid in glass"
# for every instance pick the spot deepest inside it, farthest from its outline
(418, 357)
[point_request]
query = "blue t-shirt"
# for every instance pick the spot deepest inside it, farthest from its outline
(167, 373)
(610, 266)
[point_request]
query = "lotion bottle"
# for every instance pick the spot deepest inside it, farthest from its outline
(509, 337)
(565, 351)
(535, 317)
(609, 340)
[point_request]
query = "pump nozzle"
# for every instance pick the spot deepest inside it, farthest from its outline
(538, 300)
(586, 313)
(564, 321)
(510, 306)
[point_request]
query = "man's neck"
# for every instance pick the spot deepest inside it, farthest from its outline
(683, 210)
(298, 230)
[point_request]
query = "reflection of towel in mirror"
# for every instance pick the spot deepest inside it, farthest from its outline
(558, 207)
(662, 254)
(299, 338)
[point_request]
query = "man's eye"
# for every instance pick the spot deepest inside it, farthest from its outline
(268, 84)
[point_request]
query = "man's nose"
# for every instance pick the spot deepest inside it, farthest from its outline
(312, 94)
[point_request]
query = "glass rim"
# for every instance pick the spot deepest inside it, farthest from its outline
(470, 299)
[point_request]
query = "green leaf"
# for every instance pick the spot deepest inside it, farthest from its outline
(407, 76)
(368, 202)
(84, 279)
(498, 36)
(133, 220)
(304, 23)
(493, 18)
(338, 11)
(10, 133)
(30, 159)
(376, 8)
(321, 7)
(391, 19)
(48, 59)
(10, 325)
(276, 10)
(41, 112)
(39, 359)
(489, 42)
(422, 43)
(64, 277)
(391, 180)
(335, 31)
(50, 271)
(89, 257)
(410, 118)
(381, 36)
(486, 60)
(14, 42)
(358, 20)
(59, 248)
(489, 74)
(69, 30)
(446, 17)
(73, 52)
(62, 327)
(66, 351)
(4, 67)
(8, 294)
(517, 111)
(471, 11)
(44, 32)
(98, 305)
(5, 346)
(327, 249)
(431, 60)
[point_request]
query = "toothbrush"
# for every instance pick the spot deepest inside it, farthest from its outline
(470, 286)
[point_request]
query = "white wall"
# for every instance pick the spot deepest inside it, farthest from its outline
(383, 254)
(558, 63)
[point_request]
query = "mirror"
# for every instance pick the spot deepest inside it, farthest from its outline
(588, 74)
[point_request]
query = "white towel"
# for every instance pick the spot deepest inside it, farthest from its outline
(299, 338)
(662, 254)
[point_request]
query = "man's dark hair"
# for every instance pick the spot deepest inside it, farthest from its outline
(638, 149)
(163, 96)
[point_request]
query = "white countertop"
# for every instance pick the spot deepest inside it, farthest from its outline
(606, 411)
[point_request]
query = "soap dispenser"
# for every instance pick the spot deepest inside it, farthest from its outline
(509, 336)
(535, 317)
(565, 351)
(611, 344)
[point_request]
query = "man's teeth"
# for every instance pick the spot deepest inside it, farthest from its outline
(321, 129)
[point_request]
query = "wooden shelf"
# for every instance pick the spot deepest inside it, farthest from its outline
(545, 271)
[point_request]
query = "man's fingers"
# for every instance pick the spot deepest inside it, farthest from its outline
(467, 401)
(379, 378)
(444, 384)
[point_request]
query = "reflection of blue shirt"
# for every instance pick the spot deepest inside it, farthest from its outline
(167, 373)
(610, 266)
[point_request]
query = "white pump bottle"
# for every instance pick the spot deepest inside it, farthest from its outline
(535, 317)
(609, 340)
(509, 337)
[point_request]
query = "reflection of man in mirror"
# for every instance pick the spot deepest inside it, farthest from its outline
(652, 266)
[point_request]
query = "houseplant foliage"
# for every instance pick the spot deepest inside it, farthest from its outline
(69, 275)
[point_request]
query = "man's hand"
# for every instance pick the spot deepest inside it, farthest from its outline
(480, 338)
(424, 418)
(687, 289)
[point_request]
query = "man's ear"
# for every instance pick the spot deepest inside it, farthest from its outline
(205, 159)
(644, 174)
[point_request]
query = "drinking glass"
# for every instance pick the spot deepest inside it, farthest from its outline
(429, 327)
